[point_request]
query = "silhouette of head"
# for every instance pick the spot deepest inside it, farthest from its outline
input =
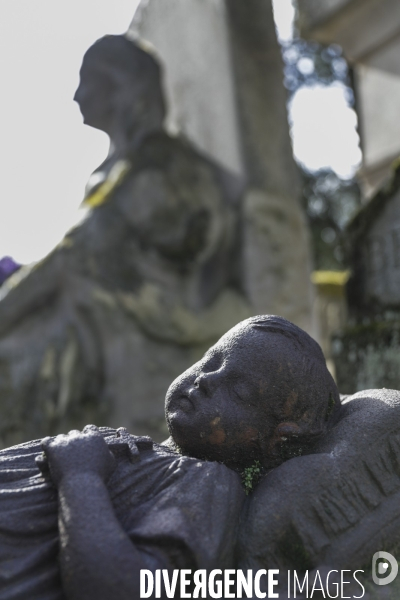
(120, 87)
(263, 392)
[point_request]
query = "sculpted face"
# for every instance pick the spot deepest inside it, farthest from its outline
(263, 392)
(218, 409)
(95, 95)
(120, 90)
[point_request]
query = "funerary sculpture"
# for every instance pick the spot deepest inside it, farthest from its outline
(81, 514)
(151, 273)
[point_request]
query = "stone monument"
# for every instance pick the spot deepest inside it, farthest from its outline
(367, 351)
(224, 85)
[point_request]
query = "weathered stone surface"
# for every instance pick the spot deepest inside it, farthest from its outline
(177, 505)
(197, 70)
(330, 308)
(192, 41)
(97, 331)
(156, 494)
(359, 27)
(81, 514)
(367, 355)
(377, 83)
(382, 256)
(373, 246)
(367, 351)
(314, 13)
(270, 270)
(341, 516)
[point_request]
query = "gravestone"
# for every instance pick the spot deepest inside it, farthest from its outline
(367, 352)
(192, 41)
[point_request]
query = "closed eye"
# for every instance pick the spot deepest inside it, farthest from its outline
(245, 393)
(212, 363)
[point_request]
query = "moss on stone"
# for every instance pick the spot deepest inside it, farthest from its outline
(251, 476)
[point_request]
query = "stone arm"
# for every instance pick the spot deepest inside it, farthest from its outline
(98, 561)
(33, 292)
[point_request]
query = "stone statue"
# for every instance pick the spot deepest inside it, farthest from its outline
(145, 505)
(141, 288)
(336, 507)
(327, 497)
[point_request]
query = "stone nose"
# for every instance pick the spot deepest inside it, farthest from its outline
(206, 382)
(76, 95)
(79, 94)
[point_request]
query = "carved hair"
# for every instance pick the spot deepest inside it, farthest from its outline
(305, 393)
(138, 64)
(299, 337)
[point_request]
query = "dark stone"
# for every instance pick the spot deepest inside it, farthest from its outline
(367, 354)
(373, 253)
(336, 507)
(262, 393)
(367, 351)
(159, 504)
(325, 496)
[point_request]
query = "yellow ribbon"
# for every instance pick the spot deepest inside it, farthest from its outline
(102, 193)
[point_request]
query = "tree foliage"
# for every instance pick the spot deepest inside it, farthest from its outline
(328, 200)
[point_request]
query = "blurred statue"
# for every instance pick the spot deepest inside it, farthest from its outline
(97, 330)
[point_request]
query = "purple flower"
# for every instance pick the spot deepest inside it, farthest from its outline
(8, 266)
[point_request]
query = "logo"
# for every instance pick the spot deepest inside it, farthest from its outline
(382, 568)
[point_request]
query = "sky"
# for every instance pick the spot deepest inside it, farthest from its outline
(47, 154)
(323, 126)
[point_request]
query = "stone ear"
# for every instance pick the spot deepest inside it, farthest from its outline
(283, 443)
(285, 431)
(290, 440)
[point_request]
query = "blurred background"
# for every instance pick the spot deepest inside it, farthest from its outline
(322, 238)
(46, 147)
